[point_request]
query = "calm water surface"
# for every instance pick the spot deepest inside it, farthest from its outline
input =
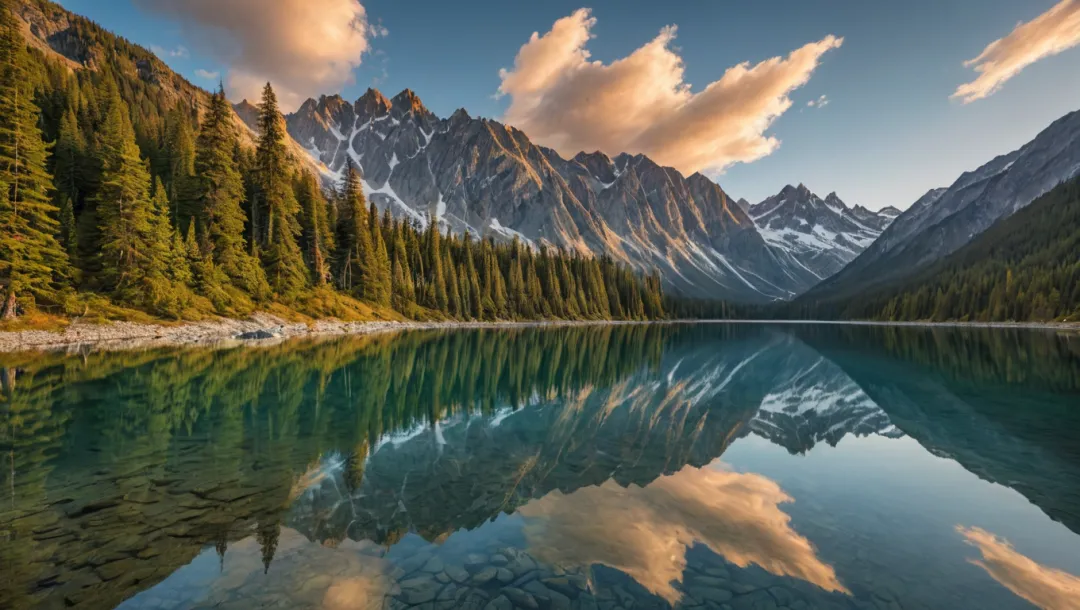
(654, 466)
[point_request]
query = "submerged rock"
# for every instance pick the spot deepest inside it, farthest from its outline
(256, 335)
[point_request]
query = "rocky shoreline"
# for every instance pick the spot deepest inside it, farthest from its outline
(262, 327)
(258, 329)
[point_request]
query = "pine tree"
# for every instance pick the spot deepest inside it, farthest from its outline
(351, 230)
(219, 192)
(378, 287)
(68, 159)
(179, 153)
(173, 252)
(402, 281)
(135, 237)
(68, 238)
(32, 261)
(474, 302)
(275, 208)
(316, 237)
(453, 289)
(435, 293)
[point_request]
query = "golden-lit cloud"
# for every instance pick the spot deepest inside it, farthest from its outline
(304, 47)
(645, 531)
(1044, 587)
(641, 104)
(1048, 34)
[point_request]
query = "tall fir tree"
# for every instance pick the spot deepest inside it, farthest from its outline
(135, 237)
(219, 193)
(179, 173)
(32, 262)
(275, 209)
(362, 270)
(316, 238)
(351, 227)
(402, 279)
(379, 286)
(69, 159)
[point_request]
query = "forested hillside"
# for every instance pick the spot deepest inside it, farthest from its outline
(1024, 268)
(126, 189)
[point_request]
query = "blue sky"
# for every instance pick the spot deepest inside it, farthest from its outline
(889, 132)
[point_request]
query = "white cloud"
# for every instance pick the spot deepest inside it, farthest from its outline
(640, 103)
(1056, 30)
(207, 74)
(179, 51)
(304, 47)
(820, 102)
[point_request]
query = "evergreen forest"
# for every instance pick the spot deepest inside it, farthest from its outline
(126, 196)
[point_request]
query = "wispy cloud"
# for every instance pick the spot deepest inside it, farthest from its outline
(641, 104)
(303, 47)
(207, 74)
(179, 51)
(1056, 30)
(1044, 587)
(820, 102)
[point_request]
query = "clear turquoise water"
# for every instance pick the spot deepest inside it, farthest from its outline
(695, 466)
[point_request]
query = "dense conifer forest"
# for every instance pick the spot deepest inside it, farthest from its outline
(130, 193)
(121, 196)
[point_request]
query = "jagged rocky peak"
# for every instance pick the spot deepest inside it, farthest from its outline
(373, 103)
(248, 112)
(406, 102)
(333, 103)
(460, 115)
(598, 165)
(699, 179)
(834, 200)
(823, 235)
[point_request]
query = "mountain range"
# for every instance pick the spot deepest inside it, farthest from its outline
(481, 176)
(823, 235)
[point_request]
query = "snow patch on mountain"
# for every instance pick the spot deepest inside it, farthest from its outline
(821, 235)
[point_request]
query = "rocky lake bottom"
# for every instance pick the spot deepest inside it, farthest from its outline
(607, 467)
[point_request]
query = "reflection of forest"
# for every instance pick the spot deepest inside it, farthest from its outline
(120, 467)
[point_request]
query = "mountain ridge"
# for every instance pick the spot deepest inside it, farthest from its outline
(823, 235)
(482, 176)
(945, 219)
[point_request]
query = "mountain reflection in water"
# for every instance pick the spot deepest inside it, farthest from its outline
(569, 467)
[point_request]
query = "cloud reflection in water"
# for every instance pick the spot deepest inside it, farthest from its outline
(646, 531)
(1047, 588)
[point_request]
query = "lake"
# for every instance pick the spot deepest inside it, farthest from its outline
(595, 467)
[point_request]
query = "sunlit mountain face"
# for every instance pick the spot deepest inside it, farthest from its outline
(588, 467)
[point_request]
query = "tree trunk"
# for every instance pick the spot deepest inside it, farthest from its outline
(9, 307)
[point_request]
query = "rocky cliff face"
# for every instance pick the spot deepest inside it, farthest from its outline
(478, 175)
(822, 235)
(944, 220)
